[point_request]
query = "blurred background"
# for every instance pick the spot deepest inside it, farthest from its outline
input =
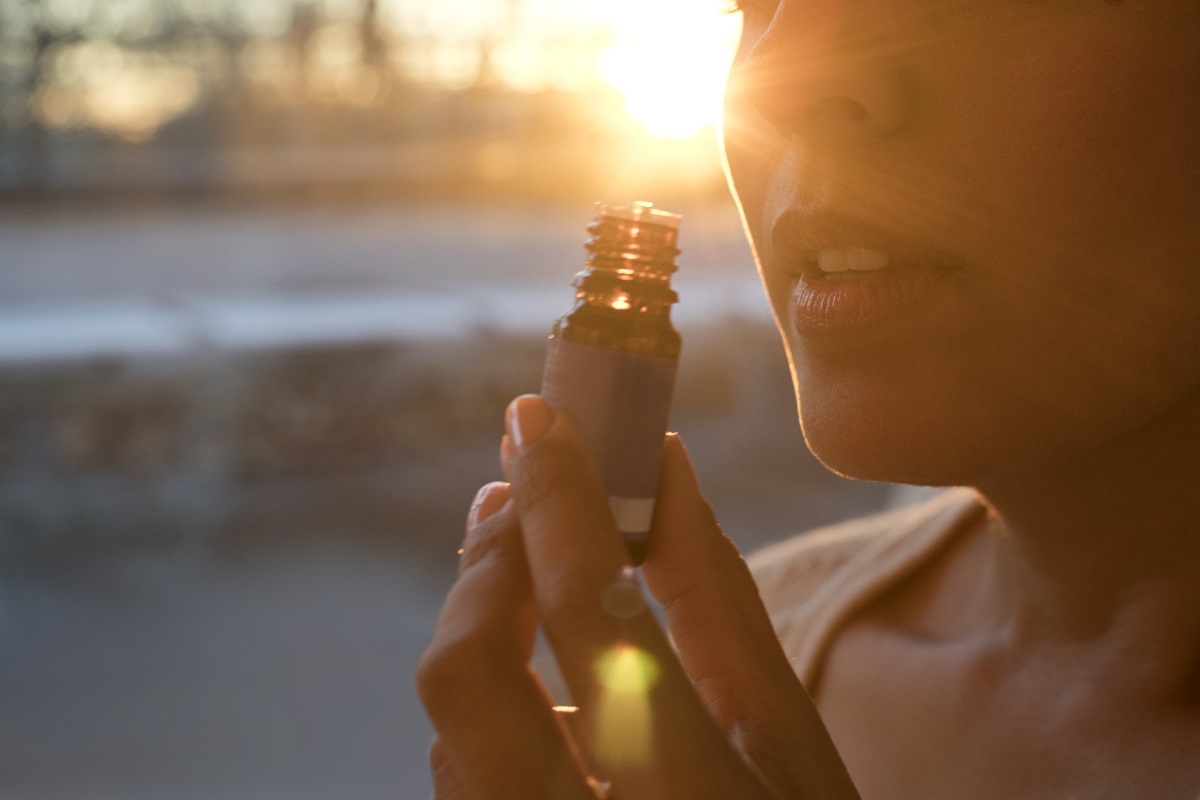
(269, 273)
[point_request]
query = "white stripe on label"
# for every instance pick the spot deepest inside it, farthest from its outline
(633, 514)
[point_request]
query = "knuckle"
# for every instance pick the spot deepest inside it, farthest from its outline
(543, 476)
(498, 537)
(448, 673)
(433, 679)
(469, 650)
(562, 467)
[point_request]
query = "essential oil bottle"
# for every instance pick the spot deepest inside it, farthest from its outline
(612, 357)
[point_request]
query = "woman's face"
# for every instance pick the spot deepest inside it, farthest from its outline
(1028, 173)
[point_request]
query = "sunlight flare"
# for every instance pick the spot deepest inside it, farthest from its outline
(624, 723)
(668, 59)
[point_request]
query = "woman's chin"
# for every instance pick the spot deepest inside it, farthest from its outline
(864, 448)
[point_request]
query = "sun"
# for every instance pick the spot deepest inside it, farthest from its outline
(668, 59)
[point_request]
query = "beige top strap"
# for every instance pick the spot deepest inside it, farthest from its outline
(813, 584)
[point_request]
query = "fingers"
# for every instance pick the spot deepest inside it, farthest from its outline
(711, 602)
(497, 735)
(642, 721)
(727, 643)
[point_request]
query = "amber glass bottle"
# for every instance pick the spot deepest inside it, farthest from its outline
(612, 357)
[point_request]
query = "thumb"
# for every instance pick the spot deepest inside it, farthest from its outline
(727, 644)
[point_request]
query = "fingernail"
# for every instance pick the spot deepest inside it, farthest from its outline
(528, 419)
(488, 500)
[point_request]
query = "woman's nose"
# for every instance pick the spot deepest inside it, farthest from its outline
(822, 70)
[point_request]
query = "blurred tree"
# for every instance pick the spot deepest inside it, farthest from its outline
(306, 20)
(490, 41)
(375, 47)
(196, 79)
(45, 39)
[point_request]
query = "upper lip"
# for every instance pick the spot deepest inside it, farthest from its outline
(797, 236)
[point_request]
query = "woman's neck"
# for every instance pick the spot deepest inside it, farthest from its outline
(1103, 557)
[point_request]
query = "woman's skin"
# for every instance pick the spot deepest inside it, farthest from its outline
(1047, 153)
(1035, 166)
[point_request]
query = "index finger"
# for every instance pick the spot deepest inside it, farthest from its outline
(497, 731)
(728, 645)
(609, 652)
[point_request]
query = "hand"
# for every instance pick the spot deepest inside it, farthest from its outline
(720, 715)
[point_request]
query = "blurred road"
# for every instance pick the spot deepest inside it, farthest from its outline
(165, 675)
(112, 282)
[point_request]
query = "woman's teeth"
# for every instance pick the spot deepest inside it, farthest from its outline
(845, 259)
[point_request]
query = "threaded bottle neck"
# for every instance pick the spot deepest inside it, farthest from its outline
(623, 296)
(633, 244)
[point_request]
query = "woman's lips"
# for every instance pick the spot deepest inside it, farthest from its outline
(850, 276)
(853, 298)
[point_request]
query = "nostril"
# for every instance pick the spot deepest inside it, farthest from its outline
(842, 107)
(834, 115)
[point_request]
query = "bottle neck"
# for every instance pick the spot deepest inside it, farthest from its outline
(623, 296)
(629, 266)
(637, 250)
(612, 290)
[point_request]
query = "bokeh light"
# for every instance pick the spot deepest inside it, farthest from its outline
(624, 731)
(126, 94)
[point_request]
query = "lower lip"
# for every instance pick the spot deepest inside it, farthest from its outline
(893, 294)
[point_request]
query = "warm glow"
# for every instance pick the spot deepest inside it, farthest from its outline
(668, 59)
(624, 724)
(665, 59)
(117, 91)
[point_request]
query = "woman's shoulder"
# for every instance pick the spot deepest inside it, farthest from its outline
(813, 582)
